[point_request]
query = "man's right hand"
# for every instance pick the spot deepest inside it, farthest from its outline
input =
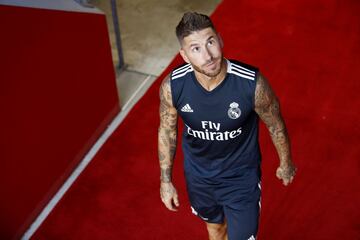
(169, 196)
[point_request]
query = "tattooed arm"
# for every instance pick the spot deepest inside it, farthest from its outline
(167, 146)
(268, 109)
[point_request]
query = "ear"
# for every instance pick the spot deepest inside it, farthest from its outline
(183, 55)
(220, 40)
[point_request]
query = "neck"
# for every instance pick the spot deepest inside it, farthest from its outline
(210, 83)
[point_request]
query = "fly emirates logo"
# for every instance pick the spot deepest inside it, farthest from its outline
(211, 131)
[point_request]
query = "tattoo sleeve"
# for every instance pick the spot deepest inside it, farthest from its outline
(167, 135)
(268, 108)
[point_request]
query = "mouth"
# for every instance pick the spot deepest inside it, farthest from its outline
(212, 63)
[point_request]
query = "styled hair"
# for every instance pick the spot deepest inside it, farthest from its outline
(192, 22)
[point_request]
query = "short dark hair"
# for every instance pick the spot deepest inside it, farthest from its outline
(192, 22)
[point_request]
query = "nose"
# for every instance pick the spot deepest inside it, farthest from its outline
(207, 55)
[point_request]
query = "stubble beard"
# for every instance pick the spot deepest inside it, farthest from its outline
(210, 74)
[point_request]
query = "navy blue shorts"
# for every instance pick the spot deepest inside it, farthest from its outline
(235, 199)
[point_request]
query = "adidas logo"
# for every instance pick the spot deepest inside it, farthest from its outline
(186, 108)
(252, 238)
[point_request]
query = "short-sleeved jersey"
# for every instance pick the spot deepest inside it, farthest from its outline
(220, 136)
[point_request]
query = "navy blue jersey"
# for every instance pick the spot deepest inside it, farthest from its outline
(220, 136)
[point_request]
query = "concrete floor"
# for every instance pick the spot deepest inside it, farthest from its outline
(148, 39)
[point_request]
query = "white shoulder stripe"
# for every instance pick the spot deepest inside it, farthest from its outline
(181, 68)
(242, 75)
(244, 72)
(182, 74)
(240, 67)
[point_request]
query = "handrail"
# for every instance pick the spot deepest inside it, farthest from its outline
(85, 3)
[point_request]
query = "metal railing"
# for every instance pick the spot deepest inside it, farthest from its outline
(115, 19)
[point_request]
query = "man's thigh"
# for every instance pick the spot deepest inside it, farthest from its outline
(240, 198)
(203, 202)
(236, 199)
(242, 223)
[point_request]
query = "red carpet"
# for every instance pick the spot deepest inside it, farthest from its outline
(310, 51)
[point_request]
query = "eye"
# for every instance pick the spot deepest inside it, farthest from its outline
(211, 42)
(195, 49)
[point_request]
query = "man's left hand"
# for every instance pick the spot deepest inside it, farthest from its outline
(286, 173)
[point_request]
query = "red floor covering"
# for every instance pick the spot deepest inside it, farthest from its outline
(310, 52)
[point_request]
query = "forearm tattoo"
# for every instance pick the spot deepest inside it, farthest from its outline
(167, 135)
(166, 174)
(268, 109)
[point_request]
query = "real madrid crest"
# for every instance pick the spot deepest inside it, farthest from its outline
(234, 111)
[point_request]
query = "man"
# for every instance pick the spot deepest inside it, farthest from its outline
(219, 101)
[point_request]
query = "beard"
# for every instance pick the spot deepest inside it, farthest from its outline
(213, 73)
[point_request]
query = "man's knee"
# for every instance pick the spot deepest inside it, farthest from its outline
(217, 231)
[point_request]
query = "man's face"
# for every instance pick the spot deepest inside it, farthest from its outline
(203, 50)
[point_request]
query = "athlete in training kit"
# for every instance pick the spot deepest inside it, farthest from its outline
(220, 102)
